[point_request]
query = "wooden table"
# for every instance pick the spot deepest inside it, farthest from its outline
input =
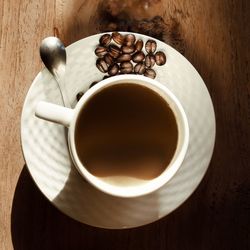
(215, 37)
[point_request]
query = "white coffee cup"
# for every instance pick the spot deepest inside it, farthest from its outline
(68, 117)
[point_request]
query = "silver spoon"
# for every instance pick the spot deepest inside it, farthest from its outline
(53, 55)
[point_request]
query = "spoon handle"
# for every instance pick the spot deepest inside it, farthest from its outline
(62, 89)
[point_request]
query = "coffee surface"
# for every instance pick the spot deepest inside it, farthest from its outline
(126, 130)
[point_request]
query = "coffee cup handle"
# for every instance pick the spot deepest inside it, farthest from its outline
(54, 113)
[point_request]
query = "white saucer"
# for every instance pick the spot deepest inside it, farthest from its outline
(47, 157)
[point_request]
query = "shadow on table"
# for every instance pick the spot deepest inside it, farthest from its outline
(37, 224)
(144, 17)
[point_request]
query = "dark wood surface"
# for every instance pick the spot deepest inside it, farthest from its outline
(215, 36)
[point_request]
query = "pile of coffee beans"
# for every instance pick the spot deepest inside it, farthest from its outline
(122, 54)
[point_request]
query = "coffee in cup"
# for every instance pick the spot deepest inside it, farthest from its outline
(125, 134)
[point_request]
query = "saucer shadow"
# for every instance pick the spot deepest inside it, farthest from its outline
(37, 224)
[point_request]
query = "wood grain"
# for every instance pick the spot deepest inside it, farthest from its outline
(23, 24)
(215, 36)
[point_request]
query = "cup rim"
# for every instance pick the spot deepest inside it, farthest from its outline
(151, 185)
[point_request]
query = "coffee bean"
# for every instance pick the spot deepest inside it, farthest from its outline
(105, 40)
(160, 58)
(114, 51)
(101, 65)
(129, 39)
(128, 49)
(109, 59)
(100, 51)
(113, 69)
(138, 45)
(150, 73)
(126, 67)
(139, 68)
(124, 58)
(79, 95)
(118, 38)
(150, 46)
(149, 60)
(92, 84)
(138, 57)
